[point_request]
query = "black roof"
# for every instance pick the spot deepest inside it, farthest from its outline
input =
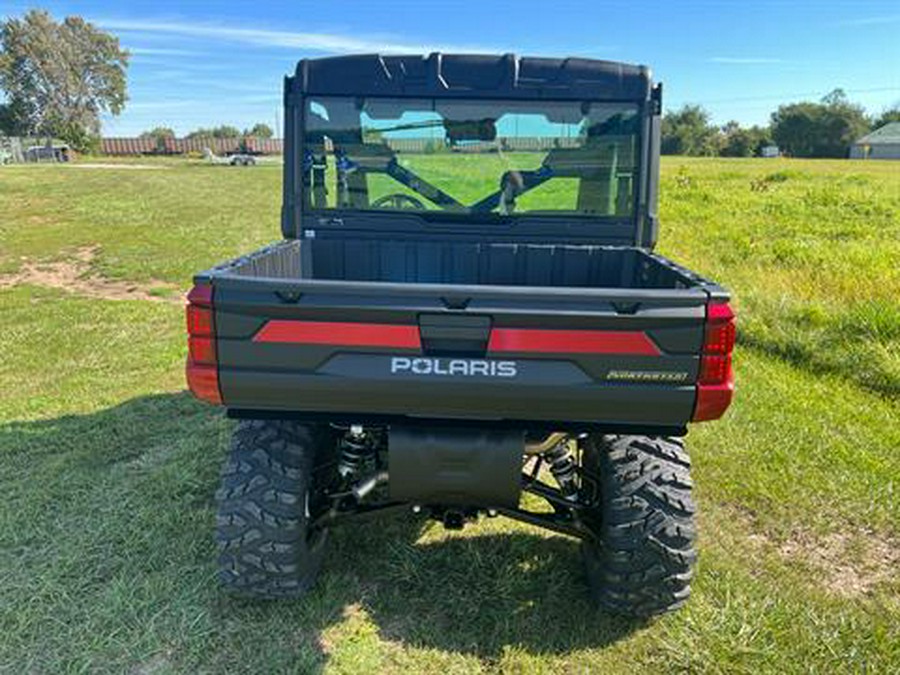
(472, 76)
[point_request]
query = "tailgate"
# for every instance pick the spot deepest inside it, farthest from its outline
(615, 357)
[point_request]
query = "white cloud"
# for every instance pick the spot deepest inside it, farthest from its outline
(162, 51)
(745, 61)
(317, 42)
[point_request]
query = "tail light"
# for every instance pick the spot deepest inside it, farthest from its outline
(715, 384)
(202, 369)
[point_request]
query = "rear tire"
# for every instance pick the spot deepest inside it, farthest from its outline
(266, 546)
(642, 561)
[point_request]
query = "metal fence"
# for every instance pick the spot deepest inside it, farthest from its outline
(274, 146)
(11, 151)
(180, 146)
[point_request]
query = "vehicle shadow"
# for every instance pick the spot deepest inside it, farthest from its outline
(475, 592)
(124, 496)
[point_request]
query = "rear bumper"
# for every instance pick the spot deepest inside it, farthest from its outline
(645, 406)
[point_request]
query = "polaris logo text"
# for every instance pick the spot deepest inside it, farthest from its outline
(453, 367)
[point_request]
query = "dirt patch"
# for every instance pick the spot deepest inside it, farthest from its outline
(74, 275)
(851, 564)
(847, 564)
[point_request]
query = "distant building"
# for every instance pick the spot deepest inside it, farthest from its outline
(15, 149)
(883, 143)
(770, 151)
(51, 152)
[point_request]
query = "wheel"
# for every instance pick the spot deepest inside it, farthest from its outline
(641, 562)
(267, 548)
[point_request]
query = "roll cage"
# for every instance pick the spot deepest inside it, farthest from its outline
(459, 77)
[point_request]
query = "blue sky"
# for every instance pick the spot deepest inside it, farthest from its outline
(208, 63)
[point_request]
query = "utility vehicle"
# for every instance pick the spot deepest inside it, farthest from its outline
(465, 309)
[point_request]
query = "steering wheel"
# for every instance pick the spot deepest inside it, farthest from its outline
(398, 200)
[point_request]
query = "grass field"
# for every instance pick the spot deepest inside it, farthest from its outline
(107, 469)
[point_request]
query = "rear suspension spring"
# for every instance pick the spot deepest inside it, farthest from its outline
(355, 449)
(564, 469)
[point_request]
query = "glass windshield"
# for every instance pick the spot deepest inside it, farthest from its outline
(499, 157)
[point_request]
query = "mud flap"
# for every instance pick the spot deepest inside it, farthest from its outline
(467, 467)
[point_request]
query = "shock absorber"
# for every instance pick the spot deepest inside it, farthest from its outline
(562, 466)
(355, 448)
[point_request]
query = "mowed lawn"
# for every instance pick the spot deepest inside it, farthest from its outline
(107, 469)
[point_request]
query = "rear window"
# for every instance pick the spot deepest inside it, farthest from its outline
(487, 157)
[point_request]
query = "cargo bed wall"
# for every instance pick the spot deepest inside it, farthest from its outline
(468, 263)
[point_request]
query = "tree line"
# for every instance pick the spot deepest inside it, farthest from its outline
(825, 128)
(58, 78)
(258, 130)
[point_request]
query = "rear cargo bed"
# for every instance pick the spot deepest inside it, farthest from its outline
(507, 333)
(465, 263)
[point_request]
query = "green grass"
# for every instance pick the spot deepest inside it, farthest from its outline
(163, 223)
(811, 255)
(469, 178)
(107, 469)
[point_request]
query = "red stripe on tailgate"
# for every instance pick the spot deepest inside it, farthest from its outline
(571, 341)
(343, 334)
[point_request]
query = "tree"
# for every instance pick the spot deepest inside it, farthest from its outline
(824, 129)
(741, 141)
(886, 117)
(159, 136)
(9, 124)
(59, 77)
(221, 131)
(688, 131)
(158, 133)
(260, 130)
